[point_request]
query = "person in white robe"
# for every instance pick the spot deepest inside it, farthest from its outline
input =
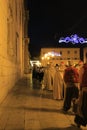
(58, 84)
(50, 77)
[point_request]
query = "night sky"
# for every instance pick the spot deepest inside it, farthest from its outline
(51, 19)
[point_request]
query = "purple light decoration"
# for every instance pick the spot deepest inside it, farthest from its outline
(74, 39)
(55, 53)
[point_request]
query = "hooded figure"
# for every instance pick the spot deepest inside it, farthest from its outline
(58, 84)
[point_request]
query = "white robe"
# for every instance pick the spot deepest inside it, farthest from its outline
(58, 85)
(50, 78)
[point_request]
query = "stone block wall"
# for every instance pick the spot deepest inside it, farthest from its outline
(10, 53)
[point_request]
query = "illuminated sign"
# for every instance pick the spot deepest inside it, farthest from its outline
(74, 39)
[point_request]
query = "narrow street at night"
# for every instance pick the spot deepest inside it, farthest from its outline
(43, 65)
(27, 108)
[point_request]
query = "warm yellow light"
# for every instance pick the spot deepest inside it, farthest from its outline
(45, 55)
(38, 63)
(42, 58)
(48, 58)
(52, 55)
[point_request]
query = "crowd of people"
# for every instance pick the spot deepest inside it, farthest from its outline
(68, 83)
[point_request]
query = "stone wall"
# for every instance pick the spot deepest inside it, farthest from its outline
(11, 44)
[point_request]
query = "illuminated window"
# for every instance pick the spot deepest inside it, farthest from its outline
(75, 52)
(60, 52)
(68, 52)
(68, 58)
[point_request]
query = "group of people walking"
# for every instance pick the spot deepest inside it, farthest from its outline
(69, 83)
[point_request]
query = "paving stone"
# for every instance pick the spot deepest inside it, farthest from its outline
(34, 109)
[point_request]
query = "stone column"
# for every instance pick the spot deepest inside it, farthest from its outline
(26, 43)
(26, 56)
(27, 73)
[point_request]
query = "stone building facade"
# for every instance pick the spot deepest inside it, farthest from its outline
(62, 55)
(12, 44)
(85, 54)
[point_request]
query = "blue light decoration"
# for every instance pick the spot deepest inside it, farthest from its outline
(74, 39)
